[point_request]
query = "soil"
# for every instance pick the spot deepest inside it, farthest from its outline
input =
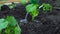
(48, 23)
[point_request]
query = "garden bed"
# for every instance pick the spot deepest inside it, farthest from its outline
(47, 23)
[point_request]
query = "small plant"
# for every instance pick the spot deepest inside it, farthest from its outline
(46, 7)
(9, 25)
(3, 24)
(32, 9)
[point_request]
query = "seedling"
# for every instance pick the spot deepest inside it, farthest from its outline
(34, 14)
(13, 25)
(3, 24)
(46, 7)
(32, 9)
(9, 25)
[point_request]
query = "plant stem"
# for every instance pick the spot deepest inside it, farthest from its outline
(33, 18)
(26, 15)
(40, 6)
(0, 32)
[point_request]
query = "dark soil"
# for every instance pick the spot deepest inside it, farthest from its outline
(48, 23)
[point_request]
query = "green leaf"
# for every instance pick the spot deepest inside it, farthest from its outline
(47, 7)
(17, 30)
(28, 7)
(12, 21)
(7, 31)
(31, 7)
(34, 14)
(3, 24)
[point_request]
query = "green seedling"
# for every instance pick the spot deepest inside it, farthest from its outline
(47, 7)
(34, 14)
(10, 26)
(32, 9)
(17, 30)
(29, 8)
(3, 24)
(11, 20)
(13, 25)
